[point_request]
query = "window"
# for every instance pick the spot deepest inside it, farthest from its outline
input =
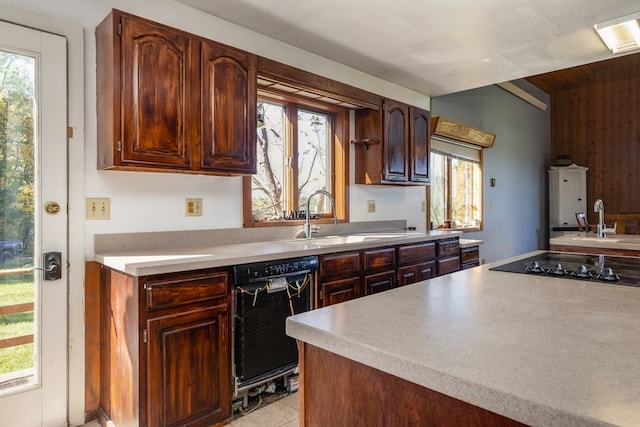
(456, 185)
(299, 151)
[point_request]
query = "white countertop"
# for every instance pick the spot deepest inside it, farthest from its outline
(158, 261)
(589, 240)
(468, 243)
(540, 350)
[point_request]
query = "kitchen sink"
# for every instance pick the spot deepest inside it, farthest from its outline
(597, 239)
(352, 238)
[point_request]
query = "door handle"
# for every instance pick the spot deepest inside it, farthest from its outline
(52, 262)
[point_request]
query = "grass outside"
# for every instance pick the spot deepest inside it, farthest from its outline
(16, 290)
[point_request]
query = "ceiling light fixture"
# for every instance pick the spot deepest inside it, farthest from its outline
(620, 34)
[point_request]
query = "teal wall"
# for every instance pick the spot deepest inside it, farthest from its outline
(515, 211)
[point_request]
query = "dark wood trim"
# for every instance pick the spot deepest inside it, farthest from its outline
(320, 85)
(92, 302)
(337, 391)
(595, 120)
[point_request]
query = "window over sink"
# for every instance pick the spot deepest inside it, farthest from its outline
(301, 148)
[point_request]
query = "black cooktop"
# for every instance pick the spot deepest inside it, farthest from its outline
(599, 268)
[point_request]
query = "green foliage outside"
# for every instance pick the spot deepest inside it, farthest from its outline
(17, 101)
(16, 290)
(17, 106)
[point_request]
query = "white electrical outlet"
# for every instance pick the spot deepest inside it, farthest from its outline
(424, 206)
(98, 208)
(371, 206)
(193, 207)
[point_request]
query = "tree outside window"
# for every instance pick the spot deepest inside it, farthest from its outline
(456, 192)
(293, 160)
(17, 103)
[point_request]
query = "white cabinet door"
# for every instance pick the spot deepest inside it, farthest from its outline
(567, 195)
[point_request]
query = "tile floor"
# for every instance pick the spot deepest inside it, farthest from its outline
(281, 413)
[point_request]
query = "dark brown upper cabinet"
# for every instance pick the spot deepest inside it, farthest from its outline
(392, 145)
(229, 98)
(172, 101)
(420, 145)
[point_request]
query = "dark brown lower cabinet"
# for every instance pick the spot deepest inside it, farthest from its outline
(338, 291)
(165, 349)
(328, 380)
(379, 282)
(187, 362)
(416, 262)
(347, 275)
(416, 272)
(448, 256)
(379, 269)
(469, 257)
(338, 278)
(448, 265)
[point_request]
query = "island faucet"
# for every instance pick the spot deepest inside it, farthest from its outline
(307, 225)
(599, 207)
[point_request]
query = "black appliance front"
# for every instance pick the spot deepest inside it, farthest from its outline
(262, 347)
(616, 270)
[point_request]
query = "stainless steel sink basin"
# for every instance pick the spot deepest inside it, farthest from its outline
(597, 239)
(352, 238)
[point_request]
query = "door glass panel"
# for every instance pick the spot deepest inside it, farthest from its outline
(17, 280)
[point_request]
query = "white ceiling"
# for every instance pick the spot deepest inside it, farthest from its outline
(434, 47)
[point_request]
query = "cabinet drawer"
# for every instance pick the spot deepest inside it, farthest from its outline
(334, 266)
(469, 254)
(411, 254)
(379, 258)
(338, 291)
(379, 282)
(448, 265)
(181, 289)
(470, 264)
(448, 247)
(416, 273)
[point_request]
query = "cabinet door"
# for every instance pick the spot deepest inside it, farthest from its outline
(229, 109)
(379, 259)
(573, 196)
(448, 247)
(379, 282)
(339, 291)
(416, 273)
(419, 141)
(396, 141)
(159, 105)
(188, 378)
(416, 253)
(448, 265)
(470, 255)
(340, 265)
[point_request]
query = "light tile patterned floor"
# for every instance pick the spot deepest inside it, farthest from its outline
(281, 413)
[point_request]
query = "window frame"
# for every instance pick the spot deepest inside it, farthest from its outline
(448, 190)
(339, 158)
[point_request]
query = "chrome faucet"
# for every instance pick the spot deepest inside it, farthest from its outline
(307, 225)
(599, 207)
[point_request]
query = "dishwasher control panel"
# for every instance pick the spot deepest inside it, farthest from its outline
(261, 271)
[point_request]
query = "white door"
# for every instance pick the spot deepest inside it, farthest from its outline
(33, 219)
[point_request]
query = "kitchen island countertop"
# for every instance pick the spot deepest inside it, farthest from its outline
(589, 241)
(539, 350)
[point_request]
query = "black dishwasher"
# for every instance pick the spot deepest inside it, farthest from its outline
(265, 294)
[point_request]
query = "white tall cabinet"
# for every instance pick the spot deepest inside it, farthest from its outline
(567, 195)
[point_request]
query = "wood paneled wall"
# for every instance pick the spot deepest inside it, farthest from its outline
(595, 119)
